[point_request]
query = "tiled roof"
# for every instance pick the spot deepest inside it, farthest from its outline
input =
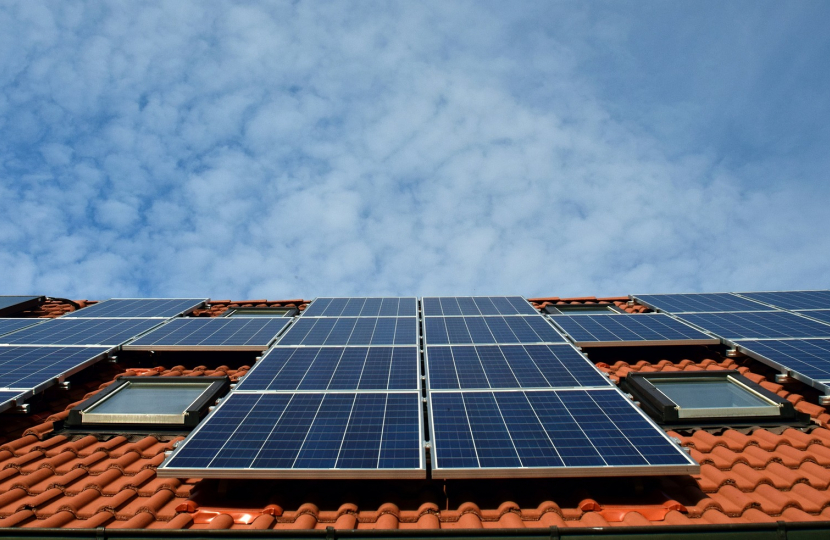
(50, 478)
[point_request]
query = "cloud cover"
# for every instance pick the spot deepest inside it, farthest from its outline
(295, 149)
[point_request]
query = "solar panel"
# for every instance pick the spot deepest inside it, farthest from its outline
(793, 300)
(510, 366)
(760, 325)
(808, 357)
(135, 308)
(335, 368)
(10, 305)
(362, 307)
(625, 330)
(699, 302)
(8, 398)
(12, 325)
(547, 433)
(822, 315)
(214, 333)
(306, 435)
(107, 332)
(35, 367)
(355, 331)
(486, 330)
(447, 306)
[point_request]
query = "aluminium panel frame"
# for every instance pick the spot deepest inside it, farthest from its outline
(305, 474)
(180, 314)
(609, 471)
(643, 343)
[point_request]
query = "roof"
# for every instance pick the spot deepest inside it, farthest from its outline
(52, 479)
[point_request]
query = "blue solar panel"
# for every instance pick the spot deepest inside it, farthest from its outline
(33, 367)
(822, 315)
(335, 368)
(699, 302)
(446, 306)
(135, 308)
(547, 433)
(12, 325)
(313, 435)
(809, 357)
(354, 331)
(485, 330)
(760, 325)
(510, 366)
(793, 300)
(650, 329)
(363, 307)
(215, 333)
(109, 332)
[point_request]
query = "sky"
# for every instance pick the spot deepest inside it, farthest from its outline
(301, 149)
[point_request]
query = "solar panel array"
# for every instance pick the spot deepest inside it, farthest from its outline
(338, 396)
(519, 401)
(788, 330)
(700, 302)
(29, 368)
(80, 332)
(8, 398)
(619, 330)
(807, 357)
(141, 308)
(758, 325)
(213, 333)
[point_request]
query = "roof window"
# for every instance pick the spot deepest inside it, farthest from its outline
(719, 397)
(136, 402)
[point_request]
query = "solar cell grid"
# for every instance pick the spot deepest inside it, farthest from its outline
(700, 302)
(62, 331)
(510, 366)
(808, 357)
(760, 325)
(645, 329)
(138, 308)
(546, 433)
(340, 435)
(34, 367)
(486, 330)
(447, 306)
(334, 368)
(363, 307)
(352, 331)
(794, 300)
(215, 333)
(12, 325)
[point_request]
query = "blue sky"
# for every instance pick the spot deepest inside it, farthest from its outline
(296, 149)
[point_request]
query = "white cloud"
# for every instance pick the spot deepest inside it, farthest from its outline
(288, 150)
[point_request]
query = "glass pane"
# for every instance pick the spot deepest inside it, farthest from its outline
(150, 398)
(708, 393)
